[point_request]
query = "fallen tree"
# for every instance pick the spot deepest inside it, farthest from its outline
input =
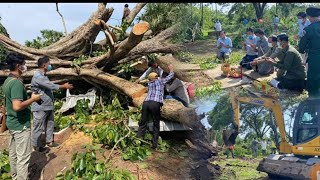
(97, 69)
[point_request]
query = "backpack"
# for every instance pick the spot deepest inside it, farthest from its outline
(190, 89)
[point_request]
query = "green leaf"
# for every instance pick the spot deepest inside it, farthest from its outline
(82, 165)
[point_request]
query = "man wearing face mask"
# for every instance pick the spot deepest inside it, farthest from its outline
(310, 42)
(264, 67)
(303, 22)
(291, 74)
(18, 116)
(250, 47)
(43, 109)
(262, 42)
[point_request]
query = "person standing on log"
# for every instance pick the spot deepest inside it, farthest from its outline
(18, 116)
(126, 12)
(43, 118)
(152, 105)
(153, 67)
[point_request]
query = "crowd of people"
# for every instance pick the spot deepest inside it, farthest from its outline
(262, 54)
(267, 54)
(297, 67)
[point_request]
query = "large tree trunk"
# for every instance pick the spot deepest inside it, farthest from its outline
(259, 8)
(96, 69)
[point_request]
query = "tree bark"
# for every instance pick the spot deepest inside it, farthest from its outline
(259, 8)
(125, 46)
(79, 42)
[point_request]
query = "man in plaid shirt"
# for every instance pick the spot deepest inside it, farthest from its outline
(152, 104)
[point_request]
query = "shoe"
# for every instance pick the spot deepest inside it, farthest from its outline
(41, 149)
(53, 144)
(154, 147)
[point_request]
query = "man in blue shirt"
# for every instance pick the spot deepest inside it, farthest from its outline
(43, 110)
(245, 21)
(276, 22)
(224, 44)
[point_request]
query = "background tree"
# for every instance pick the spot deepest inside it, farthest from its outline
(3, 50)
(47, 38)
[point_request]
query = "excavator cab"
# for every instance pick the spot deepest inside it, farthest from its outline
(307, 122)
(299, 160)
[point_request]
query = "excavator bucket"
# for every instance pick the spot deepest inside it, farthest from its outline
(229, 136)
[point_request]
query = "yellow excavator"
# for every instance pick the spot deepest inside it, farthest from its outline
(297, 160)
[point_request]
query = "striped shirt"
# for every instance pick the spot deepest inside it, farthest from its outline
(156, 89)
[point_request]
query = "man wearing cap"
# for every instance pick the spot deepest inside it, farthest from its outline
(291, 74)
(152, 104)
(310, 43)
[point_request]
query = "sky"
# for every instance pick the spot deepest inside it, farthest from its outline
(24, 21)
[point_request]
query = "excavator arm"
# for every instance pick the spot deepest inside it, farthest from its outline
(269, 103)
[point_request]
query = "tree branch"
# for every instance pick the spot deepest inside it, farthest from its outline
(63, 22)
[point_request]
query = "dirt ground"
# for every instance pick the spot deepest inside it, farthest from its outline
(159, 166)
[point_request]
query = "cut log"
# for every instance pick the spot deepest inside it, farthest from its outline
(157, 44)
(125, 46)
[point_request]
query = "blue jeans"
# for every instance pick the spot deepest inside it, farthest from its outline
(176, 98)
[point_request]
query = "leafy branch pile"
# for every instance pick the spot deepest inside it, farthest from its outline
(86, 166)
(4, 165)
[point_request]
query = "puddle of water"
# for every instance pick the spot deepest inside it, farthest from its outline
(204, 106)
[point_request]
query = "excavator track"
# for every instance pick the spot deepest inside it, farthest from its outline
(290, 167)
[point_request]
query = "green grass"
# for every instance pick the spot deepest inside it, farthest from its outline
(211, 62)
(239, 169)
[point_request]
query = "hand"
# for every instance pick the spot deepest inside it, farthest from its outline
(270, 60)
(170, 67)
(254, 62)
(253, 46)
(67, 86)
(2, 109)
(296, 37)
(222, 44)
(138, 81)
(35, 97)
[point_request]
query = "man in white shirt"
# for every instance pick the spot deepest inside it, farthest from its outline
(217, 26)
(303, 22)
(224, 44)
(250, 46)
(264, 147)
